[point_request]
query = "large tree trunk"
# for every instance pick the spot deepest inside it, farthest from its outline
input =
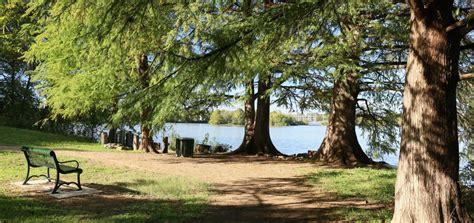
(257, 133)
(340, 145)
(427, 188)
(249, 115)
(262, 140)
(146, 143)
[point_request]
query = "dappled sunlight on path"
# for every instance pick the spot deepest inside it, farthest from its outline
(246, 188)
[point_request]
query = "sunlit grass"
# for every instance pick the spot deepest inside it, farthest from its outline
(140, 196)
(372, 185)
(24, 137)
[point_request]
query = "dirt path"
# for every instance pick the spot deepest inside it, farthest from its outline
(247, 188)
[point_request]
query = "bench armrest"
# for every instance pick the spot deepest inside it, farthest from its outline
(71, 161)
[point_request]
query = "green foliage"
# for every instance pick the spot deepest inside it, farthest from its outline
(280, 119)
(322, 119)
(18, 104)
(219, 117)
(172, 138)
(236, 117)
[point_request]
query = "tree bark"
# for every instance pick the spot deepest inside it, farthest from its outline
(257, 135)
(427, 188)
(340, 145)
(262, 139)
(146, 143)
(249, 114)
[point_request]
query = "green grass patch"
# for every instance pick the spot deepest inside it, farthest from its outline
(24, 137)
(130, 196)
(373, 185)
(354, 214)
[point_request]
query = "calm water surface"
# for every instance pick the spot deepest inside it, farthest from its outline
(288, 139)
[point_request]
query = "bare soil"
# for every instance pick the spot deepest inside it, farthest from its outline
(246, 188)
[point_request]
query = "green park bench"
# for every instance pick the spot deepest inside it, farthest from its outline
(39, 157)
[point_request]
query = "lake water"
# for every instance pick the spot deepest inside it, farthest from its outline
(288, 139)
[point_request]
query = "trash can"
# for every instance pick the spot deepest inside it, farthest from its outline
(187, 147)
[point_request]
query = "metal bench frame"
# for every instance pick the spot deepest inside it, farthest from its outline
(29, 151)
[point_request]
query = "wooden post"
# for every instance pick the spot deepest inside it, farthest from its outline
(117, 137)
(165, 144)
(136, 142)
(129, 139)
(103, 138)
(112, 135)
(121, 138)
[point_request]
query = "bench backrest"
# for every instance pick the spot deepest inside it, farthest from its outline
(40, 157)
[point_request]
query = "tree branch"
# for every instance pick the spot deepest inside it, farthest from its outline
(462, 26)
(417, 7)
(467, 46)
(467, 76)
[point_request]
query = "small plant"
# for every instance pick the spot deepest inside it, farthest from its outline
(173, 136)
(205, 140)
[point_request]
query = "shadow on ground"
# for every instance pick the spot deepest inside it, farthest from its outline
(227, 158)
(116, 203)
(279, 200)
(255, 200)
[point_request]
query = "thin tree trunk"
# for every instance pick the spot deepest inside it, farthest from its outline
(427, 188)
(340, 145)
(146, 143)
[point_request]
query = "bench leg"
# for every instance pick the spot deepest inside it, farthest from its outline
(79, 181)
(27, 176)
(56, 185)
(49, 176)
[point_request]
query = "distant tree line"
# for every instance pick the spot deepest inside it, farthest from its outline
(224, 117)
(236, 117)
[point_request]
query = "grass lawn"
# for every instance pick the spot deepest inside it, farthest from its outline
(23, 137)
(373, 185)
(128, 196)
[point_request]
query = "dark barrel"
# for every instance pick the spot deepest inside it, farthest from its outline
(187, 145)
